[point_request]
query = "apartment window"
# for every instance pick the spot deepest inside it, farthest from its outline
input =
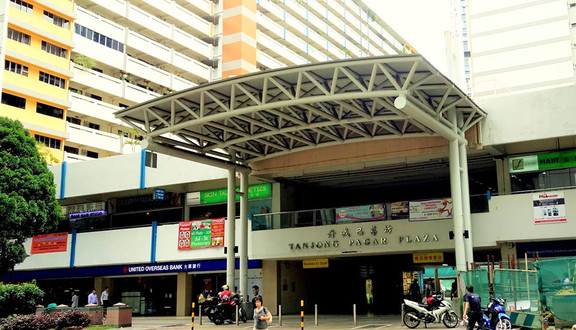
(99, 38)
(13, 100)
(52, 80)
(54, 50)
(49, 110)
(56, 20)
(96, 97)
(22, 5)
(48, 141)
(73, 120)
(19, 36)
(16, 68)
(71, 150)
(94, 126)
(91, 154)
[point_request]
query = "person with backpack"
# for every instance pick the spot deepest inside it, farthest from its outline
(262, 316)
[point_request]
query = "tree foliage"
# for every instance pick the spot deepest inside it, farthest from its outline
(27, 193)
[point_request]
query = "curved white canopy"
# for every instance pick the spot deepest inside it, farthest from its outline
(265, 114)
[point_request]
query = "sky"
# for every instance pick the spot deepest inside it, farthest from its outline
(421, 22)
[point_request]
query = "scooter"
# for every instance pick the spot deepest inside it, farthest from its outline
(495, 317)
(436, 310)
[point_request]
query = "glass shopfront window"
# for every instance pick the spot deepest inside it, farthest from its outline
(549, 179)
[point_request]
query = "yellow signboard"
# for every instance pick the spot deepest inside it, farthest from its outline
(315, 263)
(428, 257)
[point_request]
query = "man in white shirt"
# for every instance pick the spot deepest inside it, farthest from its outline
(104, 297)
(93, 298)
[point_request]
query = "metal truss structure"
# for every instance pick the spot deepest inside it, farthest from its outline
(256, 116)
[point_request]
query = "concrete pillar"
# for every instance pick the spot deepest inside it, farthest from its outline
(456, 191)
(464, 181)
(243, 246)
(184, 294)
(271, 286)
(230, 230)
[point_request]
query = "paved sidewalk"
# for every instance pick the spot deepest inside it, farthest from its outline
(289, 322)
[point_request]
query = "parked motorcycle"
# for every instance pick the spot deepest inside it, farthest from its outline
(436, 310)
(218, 313)
(209, 307)
(495, 317)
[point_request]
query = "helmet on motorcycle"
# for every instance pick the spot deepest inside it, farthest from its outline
(225, 287)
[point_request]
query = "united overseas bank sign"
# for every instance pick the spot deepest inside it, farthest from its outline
(373, 236)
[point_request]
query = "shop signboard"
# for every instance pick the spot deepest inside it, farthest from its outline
(428, 257)
(554, 160)
(399, 210)
(361, 213)
(315, 263)
(549, 207)
(85, 210)
(256, 191)
(56, 242)
(200, 234)
(431, 210)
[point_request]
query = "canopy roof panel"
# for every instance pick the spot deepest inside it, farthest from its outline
(256, 116)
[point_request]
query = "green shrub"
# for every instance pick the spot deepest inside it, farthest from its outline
(56, 320)
(19, 298)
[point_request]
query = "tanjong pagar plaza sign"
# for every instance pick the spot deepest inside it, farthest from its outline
(358, 236)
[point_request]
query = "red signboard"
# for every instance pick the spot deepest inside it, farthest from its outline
(57, 242)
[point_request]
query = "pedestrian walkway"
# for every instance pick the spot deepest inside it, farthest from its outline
(289, 322)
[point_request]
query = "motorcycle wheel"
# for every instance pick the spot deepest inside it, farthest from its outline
(243, 316)
(411, 320)
(504, 324)
(450, 320)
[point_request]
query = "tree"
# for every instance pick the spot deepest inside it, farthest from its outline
(85, 61)
(27, 193)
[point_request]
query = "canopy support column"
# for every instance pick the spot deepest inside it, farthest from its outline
(243, 246)
(230, 228)
(468, 249)
(456, 191)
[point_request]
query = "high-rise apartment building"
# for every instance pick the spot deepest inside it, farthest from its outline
(36, 44)
(71, 65)
(520, 46)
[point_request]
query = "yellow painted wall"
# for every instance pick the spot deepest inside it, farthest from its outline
(65, 4)
(35, 50)
(56, 153)
(32, 82)
(29, 115)
(36, 19)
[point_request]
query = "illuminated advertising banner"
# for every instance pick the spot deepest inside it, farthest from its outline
(199, 234)
(431, 210)
(57, 242)
(361, 213)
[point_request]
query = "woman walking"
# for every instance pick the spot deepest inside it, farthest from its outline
(262, 316)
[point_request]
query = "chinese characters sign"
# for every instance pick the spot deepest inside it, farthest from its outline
(430, 257)
(201, 234)
(57, 242)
